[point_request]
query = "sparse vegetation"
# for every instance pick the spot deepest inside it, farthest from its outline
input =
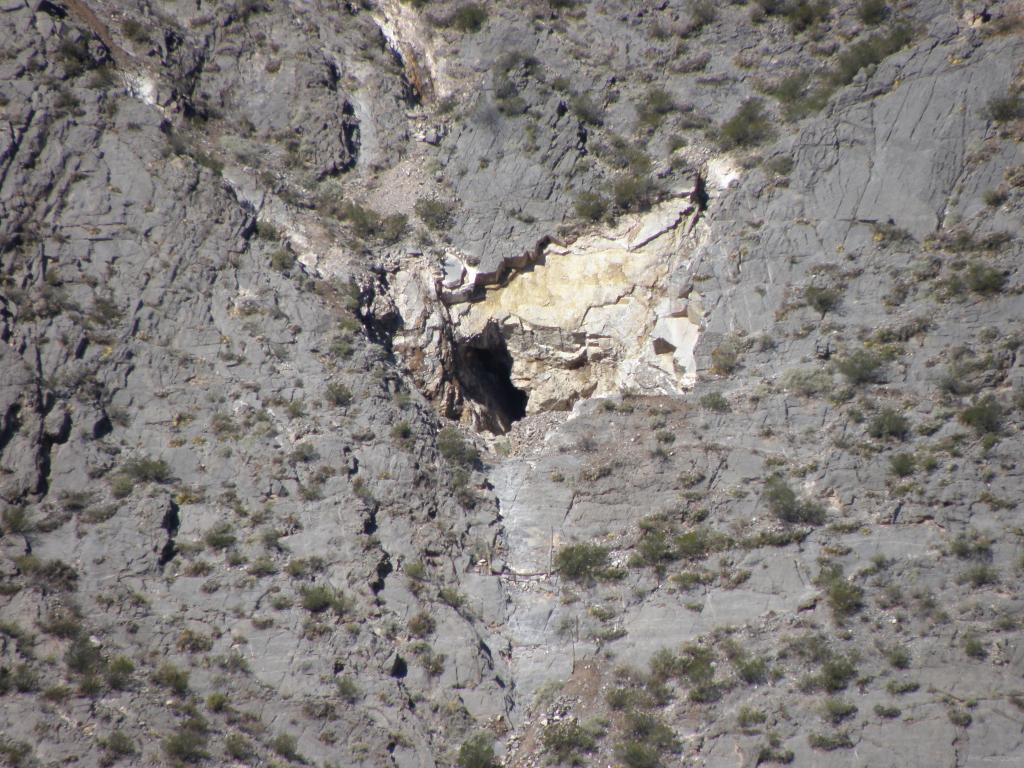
(581, 562)
(566, 742)
(889, 423)
(174, 678)
(870, 52)
(984, 416)
(437, 215)
(317, 598)
(715, 401)
(748, 127)
(468, 17)
(1003, 109)
(844, 597)
(455, 449)
(591, 206)
(477, 752)
(784, 503)
(860, 367)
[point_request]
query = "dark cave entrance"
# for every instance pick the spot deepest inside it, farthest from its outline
(485, 372)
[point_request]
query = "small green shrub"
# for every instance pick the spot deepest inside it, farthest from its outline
(422, 624)
(119, 673)
(698, 543)
(317, 598)
(844, 597)
(971, 546)
(980, 576)
(566, 741)
(1003, 109)
(437, 215)
(455, 449)
(238, 747)
(984, 416)
(898, 656)
(477, 752)
(974, 647)
(805, 14)
(169, 676)
(807, 381)
(146, 470)
(869, 52)
(887, 712)
(585, 109)
(16, 519)
(837, 672)
(282, 260)
(901, 687)
(828, 742)
(889, 423)
(83, 656)
(17, 754)
(581, 562)
(994, 198)
(752, 670)
(860, 367)
(655, 105)
(633, 191)
(118, 744)
(188, 743)
(983, 279)
(902, 464)
(784, 503)
(836, 710)
(872, 12)
(338, 394)
(715, 401)
(220, 536)
(748, 127)
(469, 17)
(287, 746)
(348, 690)
(822, 300)
(591, 206)
(217, 701)
(750, 717)
(135, 31)
(959, 717)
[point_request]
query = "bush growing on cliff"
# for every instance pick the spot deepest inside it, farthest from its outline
(872, 12)
(1003, 109)
(566, 741)
(985, 416)
(581, 562)
(790, 508)
(860, 367)
(435, 214)
(633, 191)
(591, 206)
(477, 752)
(585, 109)
(454, 448)
(748, 127)
(869, 52)
(655, 105)
(469, 17)
(889, 423)
(821, 299)
(715, 401)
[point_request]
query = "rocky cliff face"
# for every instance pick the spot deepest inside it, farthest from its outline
(432, 383)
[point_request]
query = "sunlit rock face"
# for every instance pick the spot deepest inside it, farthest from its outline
(600, 315)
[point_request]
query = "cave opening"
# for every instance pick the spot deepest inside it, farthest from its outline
(485, 372)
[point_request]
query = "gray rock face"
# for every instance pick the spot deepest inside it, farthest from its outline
(235, 526)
